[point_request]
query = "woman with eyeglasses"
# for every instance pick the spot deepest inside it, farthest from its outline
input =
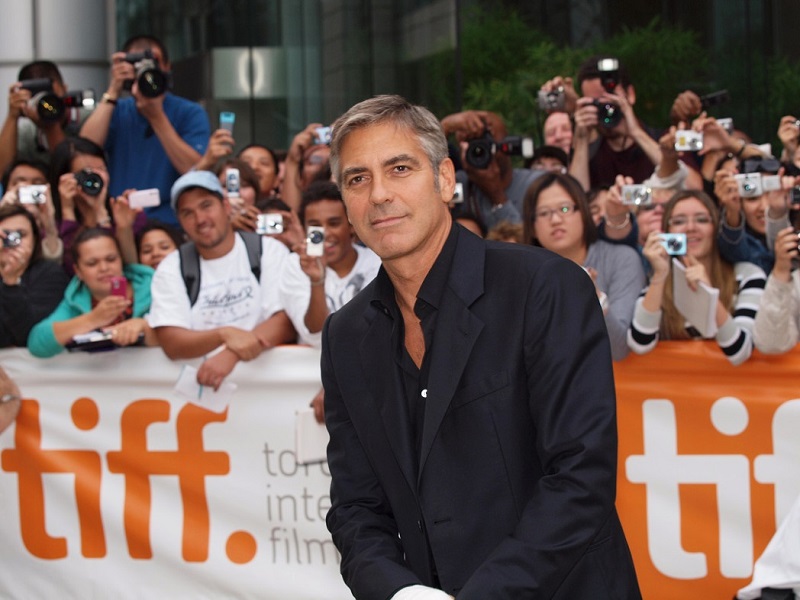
(30, 286)
(556, 216)
(740, 285)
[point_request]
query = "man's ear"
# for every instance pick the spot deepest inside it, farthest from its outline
(447, 179)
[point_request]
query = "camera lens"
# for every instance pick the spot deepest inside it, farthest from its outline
(315, 237)
(152, 82)
(49, 107)
(12, 239)
(91, 183)
(479, 153)
(608, 114)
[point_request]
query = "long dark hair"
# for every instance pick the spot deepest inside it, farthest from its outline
(61, 162)
(570, 185)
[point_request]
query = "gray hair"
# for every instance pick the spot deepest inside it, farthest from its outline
(397, 110)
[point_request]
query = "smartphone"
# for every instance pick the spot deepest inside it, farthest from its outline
(119, 287)
(226, 120)
(144, 198)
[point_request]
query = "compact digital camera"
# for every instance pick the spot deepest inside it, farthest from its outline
(232, 182)
(323, 136)
(636, 194)
(269, 224)
(33, 194)
(552, 100)
(13, 238)
(674, 243)
(688, 140)
(749, 184)
(315, 240)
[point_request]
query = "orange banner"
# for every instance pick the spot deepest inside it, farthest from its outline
(709, 462)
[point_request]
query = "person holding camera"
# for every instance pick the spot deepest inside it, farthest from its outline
(557, 217)
(26, 185)
(40, 114)
(218, 295)
(609, 139)
(153, 136)
(693, 216)
(30, 287)
(306, 161)
(492, 188)
(322, 275)
(80, 183)
(105, 296)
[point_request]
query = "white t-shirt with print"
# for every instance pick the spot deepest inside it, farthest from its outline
(295, 289)
(229, 293)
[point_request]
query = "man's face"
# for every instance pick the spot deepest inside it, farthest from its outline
(388, 186)
(26, 175)
(331, 215)
(558, 131)
(204, 217)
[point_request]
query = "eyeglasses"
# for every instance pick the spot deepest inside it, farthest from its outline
(683, 221)
(546, 214)
(652, 206)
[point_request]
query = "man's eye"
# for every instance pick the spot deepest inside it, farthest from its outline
(355, 180)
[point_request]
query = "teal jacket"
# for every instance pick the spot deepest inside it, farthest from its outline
(78, 301)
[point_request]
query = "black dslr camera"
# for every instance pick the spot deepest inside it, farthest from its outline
(152, 81)
(90, 182)
(51, 107)
(480, 151)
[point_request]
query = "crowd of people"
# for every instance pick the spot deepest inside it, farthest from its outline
(222, 263)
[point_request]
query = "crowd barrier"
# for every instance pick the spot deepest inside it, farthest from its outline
(112, 486)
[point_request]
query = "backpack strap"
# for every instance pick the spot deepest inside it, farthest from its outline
(190, 262)
(252, 242)
(190, 270)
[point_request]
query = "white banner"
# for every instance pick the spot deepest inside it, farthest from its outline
(113, 487)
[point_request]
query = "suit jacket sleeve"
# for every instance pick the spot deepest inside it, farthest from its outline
(361, 521)
(572, 403)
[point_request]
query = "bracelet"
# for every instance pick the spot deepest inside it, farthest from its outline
(622, 225)
(741, 150)
(108, 99)
(320, 281)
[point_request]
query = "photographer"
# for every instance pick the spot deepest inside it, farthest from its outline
(306, 161)
(609, 139)
(24, 134)
(153, 136)
(495, 192)
(18, 182)
(312, 286)
(656, 316)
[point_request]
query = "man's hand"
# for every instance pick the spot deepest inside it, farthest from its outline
(244, 344)
(566, 85)
(121, 71)
(465, 125)
(686, 106)
(151, 109)
(18, 101)
(220, 145)
(214, 370)
(302, 142)
(245, 217)
(318, 404)
(586, 119)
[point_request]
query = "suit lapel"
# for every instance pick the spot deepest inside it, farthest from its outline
(377, 356)
(457, 329)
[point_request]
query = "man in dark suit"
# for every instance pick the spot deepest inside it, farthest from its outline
(469, 394)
